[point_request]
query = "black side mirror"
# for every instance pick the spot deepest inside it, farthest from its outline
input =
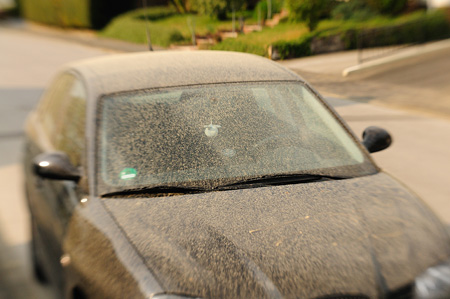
(55, 166)
(376, 139)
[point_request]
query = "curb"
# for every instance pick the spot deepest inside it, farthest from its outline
(401, 56)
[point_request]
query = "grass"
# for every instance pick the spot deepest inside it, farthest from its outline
(166, 26)
(258, 42)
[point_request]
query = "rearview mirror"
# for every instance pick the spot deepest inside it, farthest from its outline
(376, 139)
(55, 166)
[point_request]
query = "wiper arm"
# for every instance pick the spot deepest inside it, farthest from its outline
(257, 181)
(282, 179)
(166, 189)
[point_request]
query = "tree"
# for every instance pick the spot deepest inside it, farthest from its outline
(309, 11)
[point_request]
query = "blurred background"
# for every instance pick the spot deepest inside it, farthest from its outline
(377, 62)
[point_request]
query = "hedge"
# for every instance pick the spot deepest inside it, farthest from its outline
(295, 48)
(73, 13)
(427, 27)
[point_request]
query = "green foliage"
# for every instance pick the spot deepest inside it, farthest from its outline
(166, 28)
(296, 48)
(156, 13)
(291, 39)
(131, 27)
(72, 13)
(389, 7)
(355, 10)
(277, 5)
(309, 11)
(258, 42)
(212, 8)
(68, 13)
(175, 36)
(415, 28)
(426, 28)
(180, 5)
(219, 9)
(240, 46)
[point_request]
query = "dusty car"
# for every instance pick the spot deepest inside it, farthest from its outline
(217, 175)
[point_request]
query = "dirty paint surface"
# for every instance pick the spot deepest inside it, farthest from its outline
(357, 236)
(364, 235)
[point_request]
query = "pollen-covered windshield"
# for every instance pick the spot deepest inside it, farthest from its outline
(211, 134)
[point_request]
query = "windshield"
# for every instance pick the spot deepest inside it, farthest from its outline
(216, 134)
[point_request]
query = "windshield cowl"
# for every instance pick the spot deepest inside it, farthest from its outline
(246, 183)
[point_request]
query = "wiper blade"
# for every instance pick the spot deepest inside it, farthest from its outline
(165, 189)
(257, 181)
(282, 179)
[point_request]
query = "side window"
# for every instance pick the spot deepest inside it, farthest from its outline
(52, 105)
(71, 138)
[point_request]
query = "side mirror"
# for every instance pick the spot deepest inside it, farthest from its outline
(376, 139)
(55, 166)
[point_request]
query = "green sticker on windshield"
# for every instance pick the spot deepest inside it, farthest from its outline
(128, 174)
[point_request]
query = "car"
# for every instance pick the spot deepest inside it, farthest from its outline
(211, 174)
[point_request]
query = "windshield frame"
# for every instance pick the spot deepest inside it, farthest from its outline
(368, 166)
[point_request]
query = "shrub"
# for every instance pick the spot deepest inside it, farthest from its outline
(296, 48)
(213, 8)
(309, 11)
(426, 28)
(356, 9)
(72, 13)
(390, 7)
(156, 13)
(175, 36)
(415, 29)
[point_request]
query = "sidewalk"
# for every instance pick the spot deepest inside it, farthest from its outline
(415, 79)
(346, 63)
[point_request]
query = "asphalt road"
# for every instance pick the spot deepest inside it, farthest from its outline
(420, 156)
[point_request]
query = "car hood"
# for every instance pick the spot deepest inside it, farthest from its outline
(362, 236)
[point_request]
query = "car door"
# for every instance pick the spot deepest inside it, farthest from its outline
(58, 125)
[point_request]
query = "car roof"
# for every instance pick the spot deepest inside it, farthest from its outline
(135, 71)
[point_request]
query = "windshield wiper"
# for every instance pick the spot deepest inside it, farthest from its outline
(280, 179)
(251, 182)
(164, 189)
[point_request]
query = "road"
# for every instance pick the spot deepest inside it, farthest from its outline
(420, 156)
